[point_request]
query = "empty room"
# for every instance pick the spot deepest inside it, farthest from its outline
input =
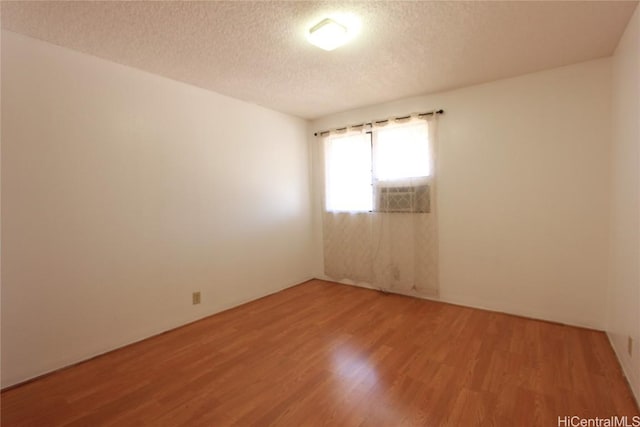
(317, 213)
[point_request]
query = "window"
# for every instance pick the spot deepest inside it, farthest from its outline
(348, 173)
(402, 152)
(387, 173)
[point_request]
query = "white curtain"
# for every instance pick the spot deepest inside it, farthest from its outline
(379, 219)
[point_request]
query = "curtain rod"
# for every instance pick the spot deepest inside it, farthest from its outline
(430, 113)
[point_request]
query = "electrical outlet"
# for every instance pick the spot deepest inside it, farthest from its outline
(196, 298)
(630, 346)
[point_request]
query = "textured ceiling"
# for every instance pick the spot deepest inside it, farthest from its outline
(257, 51)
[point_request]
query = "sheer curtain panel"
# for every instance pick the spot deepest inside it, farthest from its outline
(379, 218)
(348, 203)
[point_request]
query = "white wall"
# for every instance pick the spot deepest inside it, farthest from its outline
(624, 289)
(123, 192)
(523, 191)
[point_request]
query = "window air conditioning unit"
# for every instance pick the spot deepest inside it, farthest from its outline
(412, 199)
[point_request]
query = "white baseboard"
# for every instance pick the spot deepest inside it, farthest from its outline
(634, 383)
(481, 304)
(142, 336)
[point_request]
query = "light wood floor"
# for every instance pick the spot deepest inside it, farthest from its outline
(328, 354)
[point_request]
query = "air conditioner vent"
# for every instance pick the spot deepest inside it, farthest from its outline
(412, 199)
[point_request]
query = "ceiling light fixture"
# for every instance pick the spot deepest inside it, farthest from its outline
(328, 34)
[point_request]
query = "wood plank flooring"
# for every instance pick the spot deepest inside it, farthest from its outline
(327, 354)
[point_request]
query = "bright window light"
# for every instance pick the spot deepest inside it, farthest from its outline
(328, 34)
(402, 152)
(348, 173)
